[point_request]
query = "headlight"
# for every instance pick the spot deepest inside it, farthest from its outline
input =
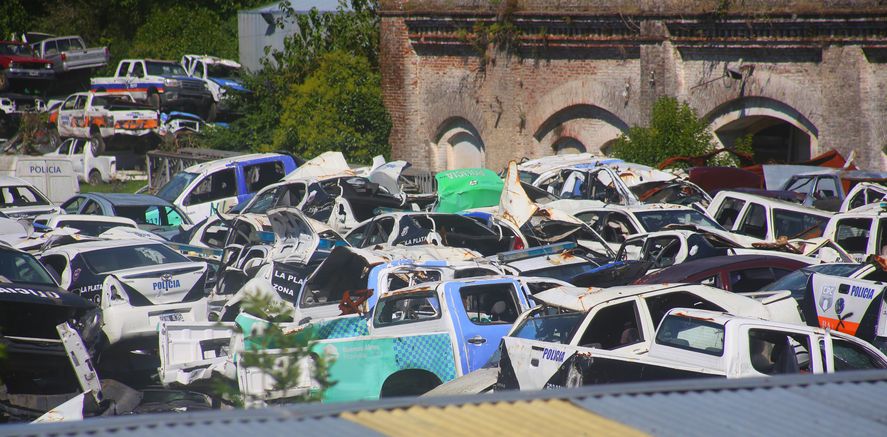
(172, 83)
(47, 66)
(89, 326)
(12, 65)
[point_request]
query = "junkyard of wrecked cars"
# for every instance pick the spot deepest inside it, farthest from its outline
(555, 272)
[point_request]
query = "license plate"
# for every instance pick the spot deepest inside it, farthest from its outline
(32, 73)
(172, 317)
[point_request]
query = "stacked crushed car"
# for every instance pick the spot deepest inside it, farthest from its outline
(565, 271)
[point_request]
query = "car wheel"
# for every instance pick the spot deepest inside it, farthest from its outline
(154, 100)
(97, 142)
(95, 177)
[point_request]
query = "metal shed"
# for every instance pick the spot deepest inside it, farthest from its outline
(257, 28)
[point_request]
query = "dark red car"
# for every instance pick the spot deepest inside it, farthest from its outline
(737, 273)
(20, 68)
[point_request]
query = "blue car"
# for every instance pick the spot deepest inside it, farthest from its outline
(150, 213)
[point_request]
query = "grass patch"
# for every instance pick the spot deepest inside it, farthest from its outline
(114, 187)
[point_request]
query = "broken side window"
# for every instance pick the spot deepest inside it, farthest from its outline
(379, 231)
(358, 235)
(219, 185)
(729, 211)
(490, 303)
(852, 234)
(410, 308)
(754, 224)
(691, 334)
(662, 251)
(776, 352)
(259, 176)
(613, 327)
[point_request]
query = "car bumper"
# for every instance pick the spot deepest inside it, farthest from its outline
(126, 322)
(175, 99)
(27, 73)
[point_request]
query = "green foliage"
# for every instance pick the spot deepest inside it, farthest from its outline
(172, 32)
(339, 107)
(674, 130)
(13, 17)
(282, 367)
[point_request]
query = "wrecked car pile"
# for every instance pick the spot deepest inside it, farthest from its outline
(282, 279)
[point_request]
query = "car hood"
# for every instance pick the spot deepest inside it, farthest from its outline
(27, 59)
(41, 295)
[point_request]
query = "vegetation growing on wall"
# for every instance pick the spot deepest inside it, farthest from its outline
(675, 130)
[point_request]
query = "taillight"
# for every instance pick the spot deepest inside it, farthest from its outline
(518, 244)
(64, 56)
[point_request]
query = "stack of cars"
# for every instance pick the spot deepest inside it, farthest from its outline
(558, 274)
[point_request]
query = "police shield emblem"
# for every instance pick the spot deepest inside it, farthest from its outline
(827, 298)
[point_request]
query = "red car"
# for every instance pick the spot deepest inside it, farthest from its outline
(736, 273)
(20, 68)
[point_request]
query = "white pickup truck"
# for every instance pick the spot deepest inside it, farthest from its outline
(99, 116)
(620, 320)
(89, 168)
(694, 343)
(219, 75)
(162, 84)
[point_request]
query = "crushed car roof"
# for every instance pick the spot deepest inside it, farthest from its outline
(583, 299)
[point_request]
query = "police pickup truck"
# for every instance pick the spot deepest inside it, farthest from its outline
(572, 320)
(692, 343)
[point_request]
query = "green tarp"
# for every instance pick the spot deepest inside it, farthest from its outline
(466, 188)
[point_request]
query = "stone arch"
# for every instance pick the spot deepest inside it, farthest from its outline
(779, 132)
(588, 125)
(568, 146)
(591, 111)
(459, 144)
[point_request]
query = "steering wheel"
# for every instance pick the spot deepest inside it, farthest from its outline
(658, 258)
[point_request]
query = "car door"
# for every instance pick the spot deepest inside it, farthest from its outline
(482, 313)
(216, 191)
(76, 155)
(67, 112)
(135, 79)
(754, 222)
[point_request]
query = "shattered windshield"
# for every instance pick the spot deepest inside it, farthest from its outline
(164, 69)
(128, 257)
(17, 267)
(654, 221)
(172, 189)
(549, 324)
(222, 71)
(21, 195)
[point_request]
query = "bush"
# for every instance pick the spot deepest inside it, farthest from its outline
(338, 107)
(674, 130)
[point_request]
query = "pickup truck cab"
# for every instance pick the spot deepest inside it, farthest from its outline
(756, 218)
(828, 188)
(164, 85)
(219, 185)
(89, 167)
(422, 336)
(860, 231)
(221, 77)
(862, 194)
(572, 320)
(100, 116)
(69, 53)
(694, 343)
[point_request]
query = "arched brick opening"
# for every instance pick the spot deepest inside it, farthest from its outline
(458, 144)
(568, 146)
(778, 132)
(584, 125)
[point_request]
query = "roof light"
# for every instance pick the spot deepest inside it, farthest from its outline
(551, 249)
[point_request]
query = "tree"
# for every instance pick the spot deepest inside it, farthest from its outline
(674, 130)
(338, 107)
(169, 33)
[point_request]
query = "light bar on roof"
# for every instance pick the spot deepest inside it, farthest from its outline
(551, 249)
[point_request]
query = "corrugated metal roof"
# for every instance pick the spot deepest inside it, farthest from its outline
(846, 404)
(555, 416)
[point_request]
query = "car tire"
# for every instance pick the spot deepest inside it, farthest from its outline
(95, 177)
(154, 100)
(98, 143)
(212, 112)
